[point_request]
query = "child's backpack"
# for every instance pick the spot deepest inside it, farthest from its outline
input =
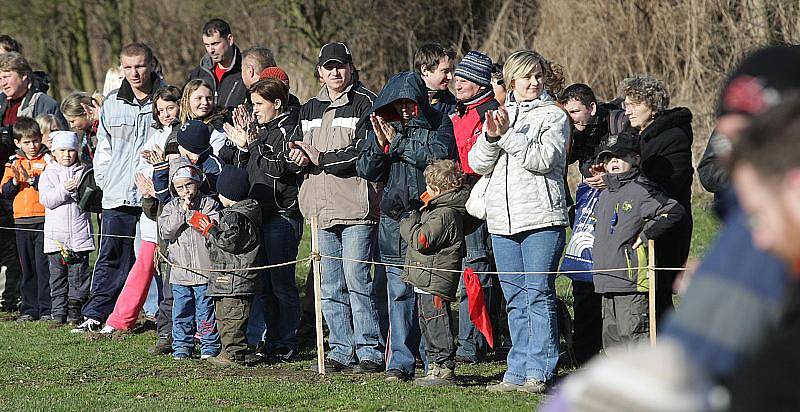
(90, 197)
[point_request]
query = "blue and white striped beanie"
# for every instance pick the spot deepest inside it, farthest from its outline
(475, 67)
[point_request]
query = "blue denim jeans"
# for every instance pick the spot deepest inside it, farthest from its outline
(531, 301)
(193, 311)
(405, 339)
(348, 294)
(277, 307)
(471, 343)
(151, 303)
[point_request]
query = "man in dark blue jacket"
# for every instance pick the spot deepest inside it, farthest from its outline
(407, 134)
(435, 65)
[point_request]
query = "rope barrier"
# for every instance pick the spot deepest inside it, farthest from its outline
(61, 231)
(247, 269)
(565, 272)
(313, 256)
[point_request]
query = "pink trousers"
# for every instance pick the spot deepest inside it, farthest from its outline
(134, 293)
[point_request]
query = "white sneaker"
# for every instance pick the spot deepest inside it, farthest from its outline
(206, 356)
(107, 330)
(89, 325)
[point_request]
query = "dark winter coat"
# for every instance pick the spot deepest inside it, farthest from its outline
(436, 239)
(443, 101)
(400, 165)
(230, 91)
(234, 243)
(630, 208)
(666, 150)
(274, 183)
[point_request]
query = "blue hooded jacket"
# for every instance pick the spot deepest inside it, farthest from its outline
(400, 165)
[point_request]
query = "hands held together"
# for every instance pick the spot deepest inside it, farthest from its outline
(302, 153)
(384, 132)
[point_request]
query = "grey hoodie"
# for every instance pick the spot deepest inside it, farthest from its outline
(630, 207)
(185, 245)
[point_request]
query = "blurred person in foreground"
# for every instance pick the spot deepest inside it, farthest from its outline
(731, 304)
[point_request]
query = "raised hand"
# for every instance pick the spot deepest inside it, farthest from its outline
(144, 185)
(384, 131)
(71, 184)
(154, 156)
(236, 134)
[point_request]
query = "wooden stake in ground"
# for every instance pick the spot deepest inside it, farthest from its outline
(651, 288)
(317, 295)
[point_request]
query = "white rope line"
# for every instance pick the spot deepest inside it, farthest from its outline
(312, 257)
(247, 269)
(62, 231)
(564, 272)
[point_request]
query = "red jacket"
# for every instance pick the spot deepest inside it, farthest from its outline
(468, 124)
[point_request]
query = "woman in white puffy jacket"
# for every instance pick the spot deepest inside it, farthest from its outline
(522, 155)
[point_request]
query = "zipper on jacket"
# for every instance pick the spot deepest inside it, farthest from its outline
(628, 264)
(508, 203)
(228, 99)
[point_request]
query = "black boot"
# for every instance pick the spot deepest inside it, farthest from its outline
(74, 312)
(163, 346)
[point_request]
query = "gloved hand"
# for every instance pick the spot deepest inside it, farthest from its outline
(201, 222)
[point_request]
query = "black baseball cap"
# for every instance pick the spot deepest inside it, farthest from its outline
(618, 146)
(337, 52)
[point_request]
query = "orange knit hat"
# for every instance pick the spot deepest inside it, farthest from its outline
(274, 72)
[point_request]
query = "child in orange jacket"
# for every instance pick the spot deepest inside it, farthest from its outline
(20, 181)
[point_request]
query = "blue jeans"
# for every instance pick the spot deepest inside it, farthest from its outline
(471, 343)
(193, 311)
(276, 308)
(405, 339)
(348, 294)
(531, 301)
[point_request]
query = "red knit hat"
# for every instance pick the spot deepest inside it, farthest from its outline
(274, 72)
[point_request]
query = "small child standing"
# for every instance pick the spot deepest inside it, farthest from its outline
(629, 212)
(192, 309)
(234, 245)
(67, 229)
(436, 240)
(20, 183)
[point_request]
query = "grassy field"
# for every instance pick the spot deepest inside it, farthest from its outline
(46, 368)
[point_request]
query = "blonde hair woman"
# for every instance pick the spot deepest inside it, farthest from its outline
(197, 103)
(522, 154)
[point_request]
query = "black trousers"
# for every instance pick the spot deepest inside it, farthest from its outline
(10, 271)
(35, 282)
(588, 323)
(164, 316)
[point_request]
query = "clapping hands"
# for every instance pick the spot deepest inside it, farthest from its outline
(496, 123)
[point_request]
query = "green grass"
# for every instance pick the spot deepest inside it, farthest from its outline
(50, 369)
(47, 368)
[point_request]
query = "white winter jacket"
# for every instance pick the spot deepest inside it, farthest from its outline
(158, 137)
(526, 187)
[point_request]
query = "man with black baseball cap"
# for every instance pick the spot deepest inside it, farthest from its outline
(332, 132)
(334, 52)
